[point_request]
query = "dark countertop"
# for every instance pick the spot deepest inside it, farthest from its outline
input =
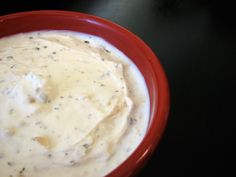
(195, 42)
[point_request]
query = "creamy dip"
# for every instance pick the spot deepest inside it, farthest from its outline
(71, 105)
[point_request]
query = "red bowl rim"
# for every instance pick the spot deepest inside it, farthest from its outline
(162, 103)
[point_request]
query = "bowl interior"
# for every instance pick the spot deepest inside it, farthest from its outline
(125, 41)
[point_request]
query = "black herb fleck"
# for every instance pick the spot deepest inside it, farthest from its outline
(54, 53)
(102, 85)
(9, 163)
(44, 98)
(87, 42)
(22, 170)
(72, 162)
(108, 51)
(30, 37)
(132, 121)
(86, 146)
(9, 57)
(45, 46)
(49, 156)
(56, 108)
(116, 91)
(37, 48)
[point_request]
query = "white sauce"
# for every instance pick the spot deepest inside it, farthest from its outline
(71, 105)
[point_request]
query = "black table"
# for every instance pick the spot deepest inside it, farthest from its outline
(195, 42)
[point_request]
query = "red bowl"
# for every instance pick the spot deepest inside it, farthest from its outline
(129, 44)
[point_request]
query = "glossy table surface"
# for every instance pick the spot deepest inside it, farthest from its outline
(195, 42)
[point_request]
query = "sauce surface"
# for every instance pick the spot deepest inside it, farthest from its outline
(71, 105)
